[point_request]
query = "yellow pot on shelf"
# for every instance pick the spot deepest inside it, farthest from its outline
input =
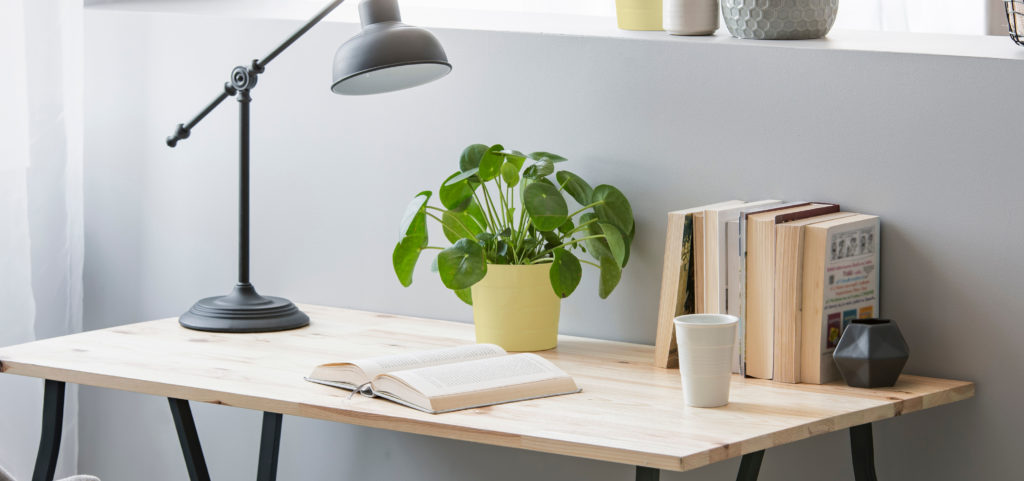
(515, 307)
(639, 14)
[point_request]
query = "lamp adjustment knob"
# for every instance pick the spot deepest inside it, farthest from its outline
(243, 78)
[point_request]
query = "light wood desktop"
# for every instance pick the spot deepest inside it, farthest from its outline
(642, 418)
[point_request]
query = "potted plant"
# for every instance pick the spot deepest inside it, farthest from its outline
(639, 14)
(516, 246)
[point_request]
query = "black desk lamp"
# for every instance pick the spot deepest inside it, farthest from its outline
(386, 55)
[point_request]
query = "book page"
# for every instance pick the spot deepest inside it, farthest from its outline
(732, 291)
(419, 359)
(478, 375)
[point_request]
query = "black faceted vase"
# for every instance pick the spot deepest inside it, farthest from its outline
(871, 353)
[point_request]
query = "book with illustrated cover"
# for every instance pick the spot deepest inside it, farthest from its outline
(840, 284)
(450, 379)
(789, 261)
(678, 295)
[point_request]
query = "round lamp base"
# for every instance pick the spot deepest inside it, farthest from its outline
(244, 310)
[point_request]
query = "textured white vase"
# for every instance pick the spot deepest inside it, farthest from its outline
(779, 19)
(690, 17)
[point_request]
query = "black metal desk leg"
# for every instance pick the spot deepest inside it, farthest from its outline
(189, 439)
(644, 473)
(270, 446)
(49, 439)
(863, 450)
(750, 466)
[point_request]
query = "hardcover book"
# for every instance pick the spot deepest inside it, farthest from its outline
(449, 379)
(740, 291)
(721, 265)
(760, 283)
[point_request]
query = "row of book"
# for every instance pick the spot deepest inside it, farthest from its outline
(794, 273)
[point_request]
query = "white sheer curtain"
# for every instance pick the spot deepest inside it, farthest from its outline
(41, 244)
(921, 16)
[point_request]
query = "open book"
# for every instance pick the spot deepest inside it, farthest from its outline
(449, 379)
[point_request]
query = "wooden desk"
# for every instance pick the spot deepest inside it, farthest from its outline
(629, 411)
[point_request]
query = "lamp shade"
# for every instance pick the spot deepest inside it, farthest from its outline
(387, 55)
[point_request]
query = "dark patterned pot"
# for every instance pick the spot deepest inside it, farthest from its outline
(871, 353)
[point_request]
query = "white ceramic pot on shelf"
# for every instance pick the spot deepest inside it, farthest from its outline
(690, 17)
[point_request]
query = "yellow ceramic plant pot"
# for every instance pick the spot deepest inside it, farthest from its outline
(639, 14)
(516, 308)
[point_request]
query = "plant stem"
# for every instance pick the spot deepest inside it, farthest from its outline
(591, 263)
(491, 208)
(432, 247)
(586, 207)
(580, 227)
(542, 260)
(574, 241)
(503, 203)
(491, 226)
(521, 229)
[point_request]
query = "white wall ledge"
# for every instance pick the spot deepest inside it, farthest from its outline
(977, 46)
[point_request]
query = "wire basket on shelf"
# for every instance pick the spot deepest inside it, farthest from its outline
(1015, 20)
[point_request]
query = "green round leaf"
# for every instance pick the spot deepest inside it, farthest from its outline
(615, 242)
(540, 169)
(566, 226)
(414, 220)
(554, 158)
(545, 205)
(500, 254)
(614, 207)
(467, 175)
(457, 225)
(610, 275)
(565, 272)
(465, 294)
(597, 248)
(629, 243)
(510, 174)
(578, 188)
(515, 157)
(471, 156)
(405, 255)
(476, 216)
(455, 195)
(530, 244)
(462, 265)
(552, 238)
(490, 163)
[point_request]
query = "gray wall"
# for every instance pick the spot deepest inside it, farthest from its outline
(924, 141)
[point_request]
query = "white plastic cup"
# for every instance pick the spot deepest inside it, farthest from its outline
(705, 357)
(690, 17)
